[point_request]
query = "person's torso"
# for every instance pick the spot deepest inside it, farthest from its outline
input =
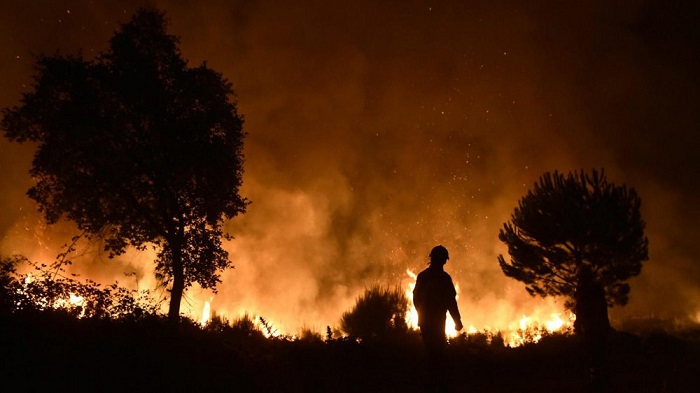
(437, 292)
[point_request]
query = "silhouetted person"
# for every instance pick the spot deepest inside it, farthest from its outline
(592, 323)
(433, 296)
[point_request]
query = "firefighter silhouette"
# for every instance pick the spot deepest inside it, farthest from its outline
(433, 297)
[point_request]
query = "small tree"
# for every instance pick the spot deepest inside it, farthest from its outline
(378, 313)
(567, 221)
(138, 148)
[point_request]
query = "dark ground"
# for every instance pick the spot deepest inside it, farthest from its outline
(54, 352)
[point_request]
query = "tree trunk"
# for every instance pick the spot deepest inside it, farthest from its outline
(178, 285)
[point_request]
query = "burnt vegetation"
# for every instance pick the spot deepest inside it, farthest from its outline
(114, 341)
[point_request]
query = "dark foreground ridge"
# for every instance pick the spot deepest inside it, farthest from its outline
(53, 350)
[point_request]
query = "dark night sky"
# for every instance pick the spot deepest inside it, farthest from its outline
(379, 130)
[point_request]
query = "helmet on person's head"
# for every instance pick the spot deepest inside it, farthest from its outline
(439, 252)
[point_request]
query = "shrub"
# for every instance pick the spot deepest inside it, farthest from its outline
(379, 312)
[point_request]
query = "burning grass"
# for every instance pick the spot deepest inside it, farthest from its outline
(102, 343)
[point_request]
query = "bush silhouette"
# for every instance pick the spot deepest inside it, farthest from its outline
(378, 313)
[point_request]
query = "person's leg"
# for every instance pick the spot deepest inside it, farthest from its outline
(435, 346)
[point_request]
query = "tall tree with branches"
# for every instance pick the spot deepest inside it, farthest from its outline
(139, 148)
(571, 220)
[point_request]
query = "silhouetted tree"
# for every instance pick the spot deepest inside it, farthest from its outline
(378, 313)
(567, 221)
(138, 148)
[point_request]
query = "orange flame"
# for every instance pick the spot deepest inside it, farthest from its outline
(527, 329)
(206, 312)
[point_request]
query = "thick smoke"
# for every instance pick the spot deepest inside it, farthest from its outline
(378, 131)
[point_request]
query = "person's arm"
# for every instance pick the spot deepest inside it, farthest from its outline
(454, 313)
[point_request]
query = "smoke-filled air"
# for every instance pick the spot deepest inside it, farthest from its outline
(377, 130)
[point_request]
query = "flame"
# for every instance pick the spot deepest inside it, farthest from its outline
(532, 329)
(555, 323)
(412, 314)
(528, 329)
(72, 301)
(206, 312)
(75, 299)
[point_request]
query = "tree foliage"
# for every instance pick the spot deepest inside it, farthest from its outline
(570, 220)
(378, 313)
(139, 148)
